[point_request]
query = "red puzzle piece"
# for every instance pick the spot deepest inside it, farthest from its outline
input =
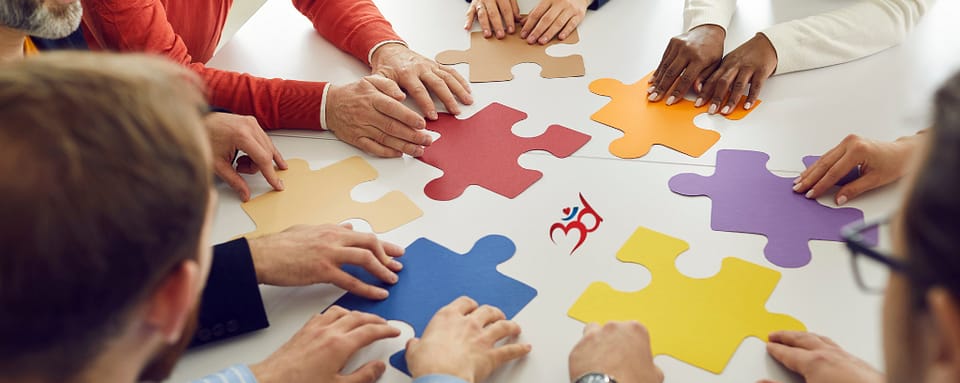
(482, 150)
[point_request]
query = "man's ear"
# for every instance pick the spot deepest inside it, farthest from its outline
(169, 307)
(945, 315)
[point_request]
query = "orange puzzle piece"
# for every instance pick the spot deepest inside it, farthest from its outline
(646, 123)
(323, 196)
(493, 59)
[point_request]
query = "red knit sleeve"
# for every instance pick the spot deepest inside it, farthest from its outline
(354, 26)
(142, 26)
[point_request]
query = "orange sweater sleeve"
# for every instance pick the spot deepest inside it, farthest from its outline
(143, 26)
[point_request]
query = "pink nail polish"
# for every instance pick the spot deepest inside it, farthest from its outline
(725, 110)
(842, 200)
(713, 109)
(699, 102)
(671, 100)
(652, 97)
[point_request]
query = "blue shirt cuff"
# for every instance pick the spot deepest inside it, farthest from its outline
(436, 378)
(234, 374)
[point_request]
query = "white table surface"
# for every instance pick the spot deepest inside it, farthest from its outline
(883, 96)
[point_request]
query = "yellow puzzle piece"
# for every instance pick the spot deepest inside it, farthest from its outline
(646, 123)
(698, 321)
(323, 196)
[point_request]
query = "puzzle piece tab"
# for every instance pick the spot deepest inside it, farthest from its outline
(493, 59)
(747, 198)
(646, 123)
(323, 196)
(699, 321)
(483, 151)
(433, 276)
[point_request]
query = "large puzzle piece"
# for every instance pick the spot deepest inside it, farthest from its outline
(747, 198)
(323, 196)
(493, 59)
(433, 276)
(699, 321)
(483, 151)
(646, 123)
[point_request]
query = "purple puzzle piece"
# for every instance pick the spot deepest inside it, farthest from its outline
(747, 198)
(808, 161)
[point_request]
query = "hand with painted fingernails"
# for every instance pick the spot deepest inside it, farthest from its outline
(688, 61)
(819, 359)
(321, 349)
(741, 72)
(553, 19)
(495, 17)
(465, 340)
(230, 134)
(618, 349)
(421, 77)
(880, 163)
(309, 254)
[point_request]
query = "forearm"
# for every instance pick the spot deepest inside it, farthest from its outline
(354, 26)
(702, 12)
(594, 5)
(845, 34)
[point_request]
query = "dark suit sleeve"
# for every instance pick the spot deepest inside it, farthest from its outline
(231, 303)
(596, 4)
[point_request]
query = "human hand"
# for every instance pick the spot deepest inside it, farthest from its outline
(750, 65)
(230, 133)
(304, 255)
(461, 340)
(368, 114)
(553, 18)
(420, 77)
(880, 163)
(619, 349)
(818, 359)
(496, 17)
(321, 349)
(689, 60)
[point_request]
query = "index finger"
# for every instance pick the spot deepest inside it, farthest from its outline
(791, 357)
(264, 161)
(371, 243)
(368, 333)
(463, 305)
(798, 339)
(532, 19)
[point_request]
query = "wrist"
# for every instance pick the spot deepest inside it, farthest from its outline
(385, 50)
(262, 373)
(711, 29)
(417, 373)
(260, 266)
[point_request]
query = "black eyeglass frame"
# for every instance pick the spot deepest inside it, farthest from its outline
(855, 240)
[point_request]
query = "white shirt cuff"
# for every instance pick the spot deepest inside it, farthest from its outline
(323, 107)
(382, 43)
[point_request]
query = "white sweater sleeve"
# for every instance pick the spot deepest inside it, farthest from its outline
(845, 34)
(700, 12)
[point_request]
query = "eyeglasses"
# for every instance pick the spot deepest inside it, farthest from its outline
(871, 265)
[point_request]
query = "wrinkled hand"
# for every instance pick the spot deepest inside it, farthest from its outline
(230, 133)
(553, 18)
(748, 66)
(689, 60)
(420, 77)
(368, 114)
(496, 17)
(322, 348)
(619, 349)
(461, 340)
(818, 359)
(304, 255)
(880, 163)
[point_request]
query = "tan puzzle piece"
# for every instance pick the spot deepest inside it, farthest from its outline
(493, 59)
(323, 196)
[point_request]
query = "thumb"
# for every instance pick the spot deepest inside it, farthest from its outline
(413, 342)
(368, 373)
(859, 186)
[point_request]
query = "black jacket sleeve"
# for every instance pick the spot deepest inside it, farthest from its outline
(231, 303)
(596, 4)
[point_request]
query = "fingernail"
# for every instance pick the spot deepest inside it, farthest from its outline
(651, 88)
(382, 292)
(725, 110)
(797, 180)
(394, 278)
(747, 105)
(671, 100)
(543, 40)
(434, 115)
(713, 109)
(699, 102)
(842, 200)
(809, 194)
(796, 187)
(282, 186)
(397, 265)
(523, 35)
(653, 97)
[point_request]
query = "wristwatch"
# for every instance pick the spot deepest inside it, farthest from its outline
(595, 377)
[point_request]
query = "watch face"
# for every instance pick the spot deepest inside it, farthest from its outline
(594, 378)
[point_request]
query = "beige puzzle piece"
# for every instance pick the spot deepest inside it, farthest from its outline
(493, 59)
(323, 196)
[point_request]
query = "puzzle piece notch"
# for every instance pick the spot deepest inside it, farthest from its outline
(323, 197)
(699, 321)
(493, 59)
(482, 150)
(646, 123)
(433, 276)
(747, 198)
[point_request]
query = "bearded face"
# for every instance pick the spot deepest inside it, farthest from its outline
(48, 19)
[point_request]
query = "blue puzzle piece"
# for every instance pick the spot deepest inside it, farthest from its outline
(433, 276)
